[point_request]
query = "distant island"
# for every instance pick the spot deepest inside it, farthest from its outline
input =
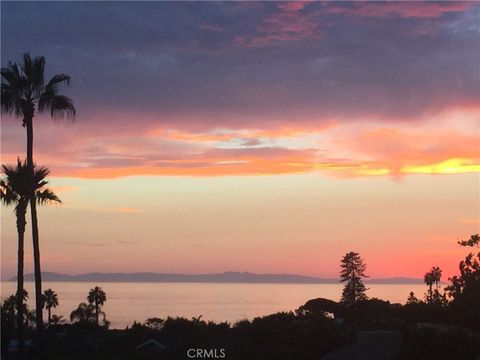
(225, 277)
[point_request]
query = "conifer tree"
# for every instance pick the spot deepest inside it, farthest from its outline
(353, 270)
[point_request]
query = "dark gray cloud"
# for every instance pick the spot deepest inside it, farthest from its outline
(231, 64)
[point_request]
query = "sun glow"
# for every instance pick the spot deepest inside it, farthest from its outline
(451, 166)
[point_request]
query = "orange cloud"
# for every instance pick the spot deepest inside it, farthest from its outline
(413, 152)
(231, 134)
(215, 162)
(329, 147)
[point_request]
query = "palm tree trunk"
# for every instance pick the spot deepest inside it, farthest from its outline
(21, 211)
(36, 261)
(28, 120)
(49, 316)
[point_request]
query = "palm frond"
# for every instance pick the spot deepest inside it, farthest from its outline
(11, 74)
(7, 195)
(47, 196)
(37, 77)
(59, 106)
(34, 70)
(13, 89)
(56, 80)
(26, 66)
(39, 175)
(10, 103)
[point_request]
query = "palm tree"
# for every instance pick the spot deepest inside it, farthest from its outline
(23, 90)
(97, 297)
(17, 189)
(50, 298)
(428, 280)
(431, 278)
(436, 276)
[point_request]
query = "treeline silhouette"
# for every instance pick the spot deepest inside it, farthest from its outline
(443, 325)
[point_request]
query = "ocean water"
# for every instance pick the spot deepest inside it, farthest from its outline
(128, 302)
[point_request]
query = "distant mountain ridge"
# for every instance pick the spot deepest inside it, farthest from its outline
(225, 277)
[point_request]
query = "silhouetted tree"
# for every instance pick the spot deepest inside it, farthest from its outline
(11, 311)
(18, 187)
(97, 297)
(319, 306)
(83, 313)
(23, 90)
(353, 270)
(57, 319)
(432, 278)
(412, 299)
(465, 288)
(9, 308)
(50, 298)
(155, 323)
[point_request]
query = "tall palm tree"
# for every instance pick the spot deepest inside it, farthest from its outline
(18, 187)
(50, 298)
(97, 297)
(24, 90)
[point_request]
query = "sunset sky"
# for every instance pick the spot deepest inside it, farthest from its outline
(264, 137)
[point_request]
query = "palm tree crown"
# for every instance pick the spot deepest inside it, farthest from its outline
(51, 299)
(24, 86)
(20, 185)
(97, 296)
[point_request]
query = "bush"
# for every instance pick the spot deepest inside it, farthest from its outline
(441, 343)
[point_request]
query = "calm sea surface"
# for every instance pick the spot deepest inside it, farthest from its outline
(127, 302)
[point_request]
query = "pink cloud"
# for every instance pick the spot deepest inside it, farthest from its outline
(126, 149)
(426, 9)
(288, 24)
